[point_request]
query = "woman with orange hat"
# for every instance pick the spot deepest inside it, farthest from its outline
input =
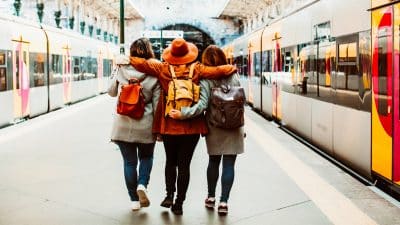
(180, 137)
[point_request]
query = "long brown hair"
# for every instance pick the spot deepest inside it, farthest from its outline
(142, 48)
(213, 56)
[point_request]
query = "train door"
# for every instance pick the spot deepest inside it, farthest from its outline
(277, 67)
(384, 126)
(396, 108)
(67, 73)
(21, 83)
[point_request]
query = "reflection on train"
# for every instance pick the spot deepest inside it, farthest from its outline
(331, 76)
(44, 68)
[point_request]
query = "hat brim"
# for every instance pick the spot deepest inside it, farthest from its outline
(188, 58)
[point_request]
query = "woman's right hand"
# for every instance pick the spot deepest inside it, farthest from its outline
(175, 114)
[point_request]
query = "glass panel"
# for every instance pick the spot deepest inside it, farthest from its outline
(17, 69)
(38, 70)
(3, 79)
(342, 53)
(382, 75)
(352, 52)
(2, 58)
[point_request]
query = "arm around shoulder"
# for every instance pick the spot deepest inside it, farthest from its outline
(216, 72)
(201, 105)
(151, 67)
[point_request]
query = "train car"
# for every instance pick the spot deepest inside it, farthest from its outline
(329, 72)
(43, 68)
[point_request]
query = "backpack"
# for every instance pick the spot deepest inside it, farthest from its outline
(182, 92)
(226, 107)
(131, 100)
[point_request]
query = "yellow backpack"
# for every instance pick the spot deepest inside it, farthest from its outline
(182, 92)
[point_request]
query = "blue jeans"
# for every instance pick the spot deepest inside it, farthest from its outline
(130, 153)
(228, 174)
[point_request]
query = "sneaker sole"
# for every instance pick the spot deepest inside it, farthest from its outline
(222, 213)
(144, 201)
(209, 206)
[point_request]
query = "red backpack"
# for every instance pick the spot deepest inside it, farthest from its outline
(131, 100)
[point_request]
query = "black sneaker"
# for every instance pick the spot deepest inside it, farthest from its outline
(209, 203)
(222, 209)
(167, 202)
(177, 209)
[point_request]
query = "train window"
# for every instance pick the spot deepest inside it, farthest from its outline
(269, 61)
(256, 64)
(352, 52)
(76, 68)
(382, 75)
(3, 71)
(3, 79)
(2, 58)
(245, 67)
(17, 69)
(342, 53)
(38, 69)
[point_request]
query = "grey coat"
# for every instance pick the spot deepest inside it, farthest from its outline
(219, 141)
(134, 130)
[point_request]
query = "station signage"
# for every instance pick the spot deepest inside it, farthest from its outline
(163, 33)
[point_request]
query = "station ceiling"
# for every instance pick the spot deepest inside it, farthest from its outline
(137, 9)
(245, 8)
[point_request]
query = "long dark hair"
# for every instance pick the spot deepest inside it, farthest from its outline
(142, 48)
(213, 56)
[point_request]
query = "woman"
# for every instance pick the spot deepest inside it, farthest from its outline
(180, 137)
(223, 144)
(134, 137)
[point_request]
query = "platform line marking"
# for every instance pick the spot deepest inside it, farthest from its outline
(337, 207)
(20, 129)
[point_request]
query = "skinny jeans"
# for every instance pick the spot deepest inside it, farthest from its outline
(130, 153)
(179, 151)
(228, 175)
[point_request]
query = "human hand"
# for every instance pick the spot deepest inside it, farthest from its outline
(122, 59)
(159, 138)
(175, 114)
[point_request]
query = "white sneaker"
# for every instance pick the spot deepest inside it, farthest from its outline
(135, 205)
(142, 193)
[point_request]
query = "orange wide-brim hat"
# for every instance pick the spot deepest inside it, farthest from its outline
(180, 52)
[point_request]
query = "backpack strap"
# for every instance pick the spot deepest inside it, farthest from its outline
(171, 69)
(191, 70)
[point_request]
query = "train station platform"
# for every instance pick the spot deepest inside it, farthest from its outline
(61, 169)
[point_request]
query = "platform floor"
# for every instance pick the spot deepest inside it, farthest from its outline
(61, 169)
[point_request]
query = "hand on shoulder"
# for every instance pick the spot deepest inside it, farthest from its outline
(122, 59)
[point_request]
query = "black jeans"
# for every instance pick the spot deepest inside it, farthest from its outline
(228, 174)
(179, 151)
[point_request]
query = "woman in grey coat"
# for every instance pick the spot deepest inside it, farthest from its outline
(134, 136)
(223, 144)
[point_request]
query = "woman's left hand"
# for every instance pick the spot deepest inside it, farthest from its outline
(175, 114)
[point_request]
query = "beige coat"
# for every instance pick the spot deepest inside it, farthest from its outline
(134, 130)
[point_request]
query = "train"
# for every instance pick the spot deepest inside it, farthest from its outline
(44, 68)
(328, 73)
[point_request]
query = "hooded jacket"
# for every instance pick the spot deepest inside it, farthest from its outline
(124, 127)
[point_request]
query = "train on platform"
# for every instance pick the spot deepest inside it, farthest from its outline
(329, 73)
(44, 68)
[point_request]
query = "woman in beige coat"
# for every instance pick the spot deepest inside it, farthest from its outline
(134, 137)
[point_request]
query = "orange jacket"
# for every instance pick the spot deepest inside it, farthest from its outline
(166, 125)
